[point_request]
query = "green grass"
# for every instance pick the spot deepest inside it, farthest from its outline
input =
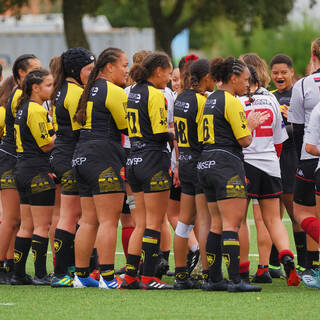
(276, 301)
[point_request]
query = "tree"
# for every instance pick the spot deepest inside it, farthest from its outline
(72, 11)
(170, 17)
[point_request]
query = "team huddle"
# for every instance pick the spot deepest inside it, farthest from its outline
(91, 142)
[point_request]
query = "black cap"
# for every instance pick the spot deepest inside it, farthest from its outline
(74, 59)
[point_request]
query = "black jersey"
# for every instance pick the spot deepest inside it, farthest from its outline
(64, 109)
(284, 99)
(188, 112)
(33, 130)
(224, 122)
(106, 112)
(2, 120)
(8, 142)
(147, 117)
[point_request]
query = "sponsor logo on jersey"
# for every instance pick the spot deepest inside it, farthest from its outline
(182, 106)
(94, 91)
(205, 164)
(78, 161)
(135, 97)
(134, 161)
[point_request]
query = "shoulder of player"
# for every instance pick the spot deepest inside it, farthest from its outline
(155, 93)
(116, 89)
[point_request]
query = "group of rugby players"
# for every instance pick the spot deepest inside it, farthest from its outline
(79, 152)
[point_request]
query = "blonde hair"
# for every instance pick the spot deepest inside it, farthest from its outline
(138, 58)
(315, 48)
(252, 59)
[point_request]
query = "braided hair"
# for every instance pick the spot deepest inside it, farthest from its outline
(22, 62)
(34, 77)
(254, 80)
(109, 55)
(223, 69)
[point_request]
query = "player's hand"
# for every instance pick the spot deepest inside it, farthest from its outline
(285, 110)
(176, 180)
(255, 119)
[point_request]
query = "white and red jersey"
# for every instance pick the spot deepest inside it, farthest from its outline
(262, 153)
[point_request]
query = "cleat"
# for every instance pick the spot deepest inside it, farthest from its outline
(215, 286)
(185, 284)
(129, 282)
(161, 268)
(21, 280)
(121, 271)
(242, 286)
(300, 270)
(5, 277)
(292, 277)
(71, 271)
(265, 277)
(153, 283)
(80, 283)
(61, 282)
(192, 260)
(310, 278)
(95, 274)
(276, 272)
(197, 271)
(44, 281)
(113, 284)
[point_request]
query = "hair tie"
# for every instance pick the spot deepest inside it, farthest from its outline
(191, 57)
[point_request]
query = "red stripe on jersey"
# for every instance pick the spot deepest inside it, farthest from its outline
(317, 79)
(122, 139)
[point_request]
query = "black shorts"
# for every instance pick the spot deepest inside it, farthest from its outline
(36, 186)
(175, 193)
(260, 185)
(188, 175)
(288, 166)
(99, 167)
(125, 206)
(148, 171)
(317, 177)
(7, 165)
(221, 175)
(304, 189)
(61, 164)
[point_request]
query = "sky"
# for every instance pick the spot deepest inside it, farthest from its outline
(301, 7)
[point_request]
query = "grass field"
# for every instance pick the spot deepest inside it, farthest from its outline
(276, 301)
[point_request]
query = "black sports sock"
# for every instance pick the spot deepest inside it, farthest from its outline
(150, 251)
(132, 265)
(21, 251)
(9, 265)
(2, 267)
(63, 246)
(205, 275)
(312, 260)
(214, 256)
(107, 271)
(274, 257)
(181, 273)
(231, 254)
(300, 242)
(72, 262)
(83, 272)
(94, 260)
(39, 251)
(165, 255)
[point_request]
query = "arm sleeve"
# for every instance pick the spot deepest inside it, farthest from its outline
(157, 111)
(298, 132)
(39, 125)
(296, 110)
(170, 103)
(312, 134)
(234, 114)
(116, 103)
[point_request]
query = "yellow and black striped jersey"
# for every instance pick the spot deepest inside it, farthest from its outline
(2, 120)
(8, 141)
(64, 109)
(147, 117)
(224, 122)
(106, 112)
(188, 113)
(33, 130)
